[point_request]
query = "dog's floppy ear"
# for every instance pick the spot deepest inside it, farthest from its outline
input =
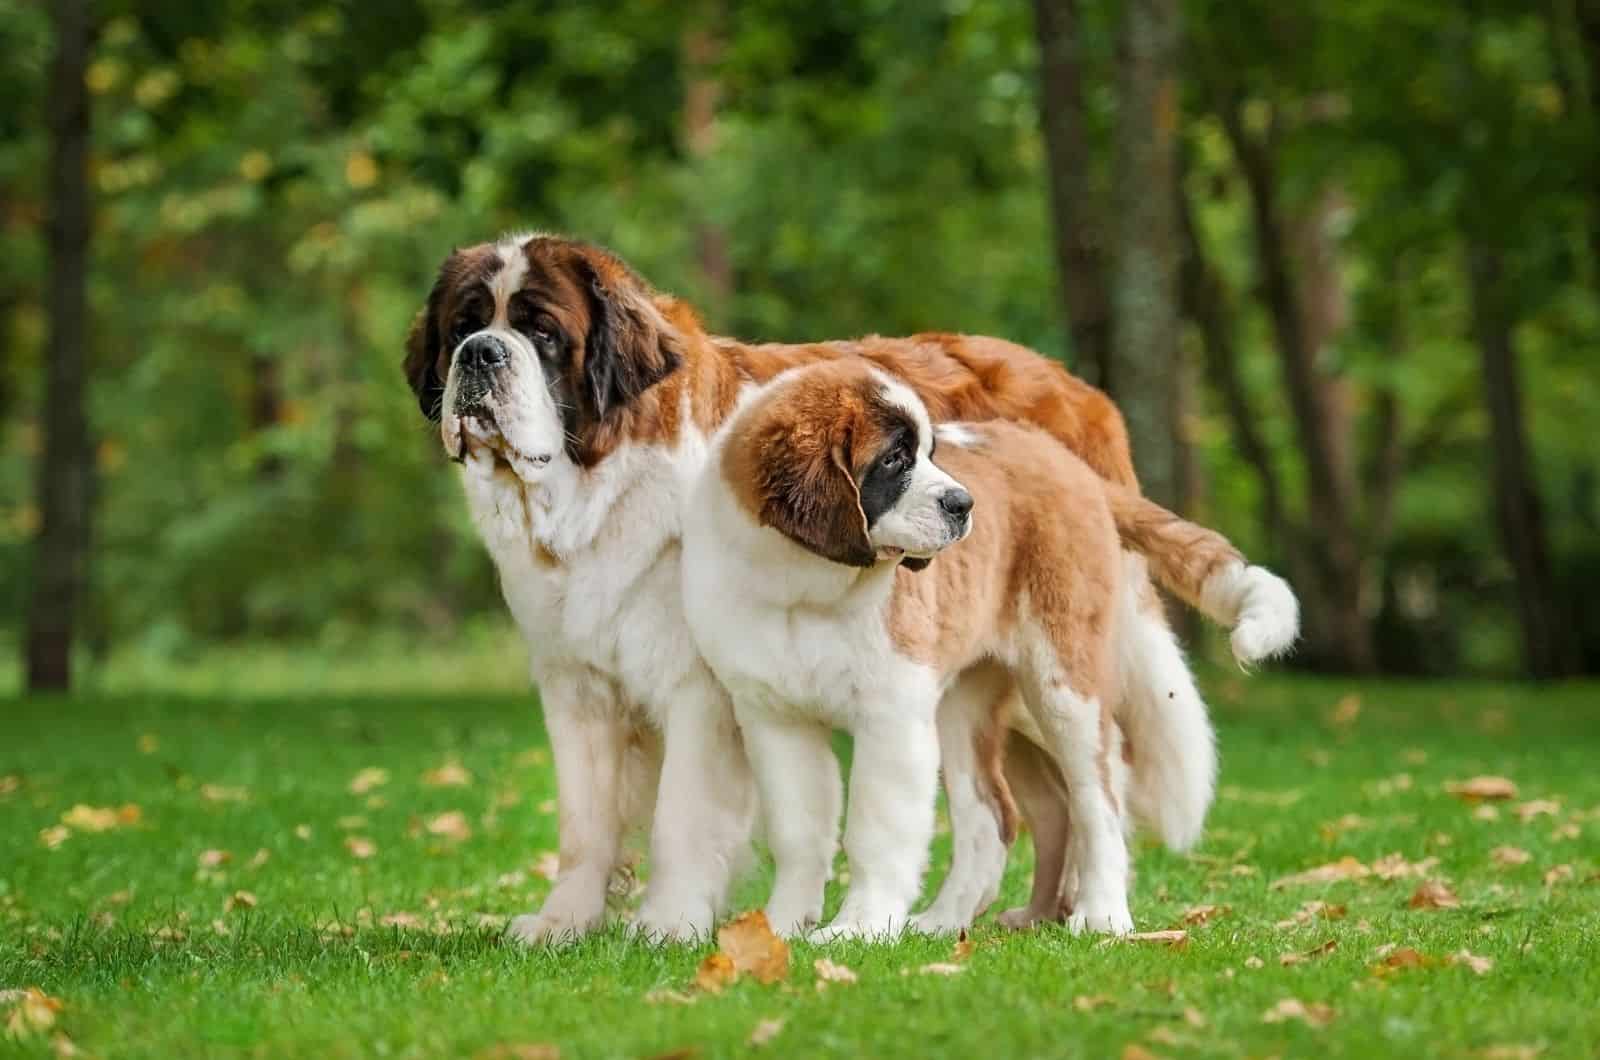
(811, 497)
(423, 343)
(630, 346)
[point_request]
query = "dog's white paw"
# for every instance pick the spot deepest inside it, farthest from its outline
(659, 923)
(1107, 919)
(549, 928)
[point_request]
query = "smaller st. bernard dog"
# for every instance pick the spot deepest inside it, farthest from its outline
(805, 543)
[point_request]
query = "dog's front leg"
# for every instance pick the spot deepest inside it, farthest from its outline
(705, 807)
(588, 739)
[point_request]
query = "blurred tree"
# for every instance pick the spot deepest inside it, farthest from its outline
(66, 470)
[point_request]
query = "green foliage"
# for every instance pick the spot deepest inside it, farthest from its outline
(276, 181)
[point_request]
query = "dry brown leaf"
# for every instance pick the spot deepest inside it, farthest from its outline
(1174, 937)
(32, 1012)
(1346, 711)
(1559, 874)
(1253, 961)
(1570, 830)
(259, 859)
(1316, 1014)
(828, 972)
(715, 972)
(409, 921)
(765, 1031)
(210, 859)
(1346, 868)
(1194, 1017)
(1433, 894)
(1479, 965)
(239, 900)
(1486, 812)
(963, 947)
(1396, 867)
(54, 836)
(1350, 822)
(10, 784)
(220, 927)
(450, 775)
(1396, 959)
(750, 943)
(1527, 811)
(451, 825)
(1135, 1051)
(1482, 788)
(1197, 915)
(1507, 857)
(368, 779)
(547, 865)
(360, 847)
(1313, 910)
(1090, 1002)
(1309, 955)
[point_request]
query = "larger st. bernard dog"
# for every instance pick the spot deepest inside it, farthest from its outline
(579, 402)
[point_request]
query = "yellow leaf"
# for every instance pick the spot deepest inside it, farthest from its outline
(1173, 937)
(449, 775)
(1396, 867)
(360, 847)
(239, 900)
(360, 170)
(54, 836)
(223, 793)
(1480, 788)
(1346, 868)
(1197, 915)
(451, 825)
(1090, 1002)
(547, 865)
(1315, 1014)
(750, 943)
(1478, 965)
(1559, 874)
(32, 1012)
(1509, 857)
(367, 779)
(715, 972)
(1309, 955)
(765, 1031)
(1527, 811)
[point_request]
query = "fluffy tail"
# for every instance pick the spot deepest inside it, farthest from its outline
(1205, 571)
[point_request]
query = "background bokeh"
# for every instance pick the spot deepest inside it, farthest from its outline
(273, 184)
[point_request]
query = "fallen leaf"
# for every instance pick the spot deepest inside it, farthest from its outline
(259, 859)
(360, 847)
(828, 972)
(1396, 867)
(1315, 1014)
(1346, 711)
(451, 825)
(63, 1046)
(220, 927)
(963, 947)
(1479, 965)
(1510, 1052)
(10, 784)
(1309, 955)
(32, 1012)
(82, 818)
(54, 836)
(1433, 894)
(1559, 874)
(715, 972)
(1480, 788)
(1507, 857)
(367, 779)
(751, 945)
(1163, 1036)
(1527, 811)
(302, 831)
(239, 900)
(1254, 962)
(1135, 1051)
(450, 775)
(1570, 830)
(940, 968)
(1399, 958)
(224, 793)
(1090, 1002)
(1486, 813)
(765, 1031)
(1197, 915)
(1346, 868)
(1350, 822)
(210, 859)
(410, 921)
(1194, 1017)
(1312, 910)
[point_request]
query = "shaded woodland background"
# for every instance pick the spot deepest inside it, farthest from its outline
(1339, 263)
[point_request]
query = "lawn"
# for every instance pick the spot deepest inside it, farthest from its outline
(220, 873)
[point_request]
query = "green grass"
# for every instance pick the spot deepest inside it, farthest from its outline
(119, 924)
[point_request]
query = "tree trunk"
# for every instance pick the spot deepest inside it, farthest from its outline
(1339, 632)
(1079, 246)
(1518, 512)
(701, 49)
(66, 471)
(1144, 286)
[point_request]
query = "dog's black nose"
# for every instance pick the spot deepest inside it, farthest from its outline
(956, 502)
(481, 353)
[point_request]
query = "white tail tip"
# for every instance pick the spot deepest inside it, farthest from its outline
(1260, 607)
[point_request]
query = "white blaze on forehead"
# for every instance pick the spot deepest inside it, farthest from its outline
(901, 396)
(508, 278)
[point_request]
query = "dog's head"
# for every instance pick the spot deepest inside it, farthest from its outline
(532, 344)
(838, 458)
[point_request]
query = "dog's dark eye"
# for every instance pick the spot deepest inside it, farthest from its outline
(894, 460)
(543, 341)
(463, 327)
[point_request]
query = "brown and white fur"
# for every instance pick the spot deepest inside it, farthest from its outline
(579, 403)
(800, 540)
